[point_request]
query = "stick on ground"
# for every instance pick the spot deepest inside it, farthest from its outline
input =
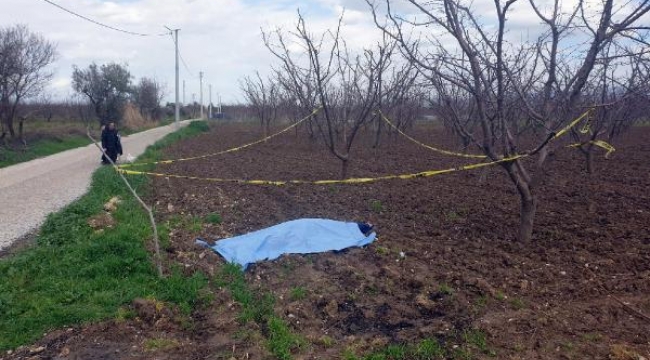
(142, 203)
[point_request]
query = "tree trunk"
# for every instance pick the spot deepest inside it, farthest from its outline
(590, 161)
(21, 134)
(10, 126)
(527, 201)
(378, 134)
(527, 216)
(466, 143)
(344, 168)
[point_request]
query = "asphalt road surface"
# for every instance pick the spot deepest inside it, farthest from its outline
(30, 191)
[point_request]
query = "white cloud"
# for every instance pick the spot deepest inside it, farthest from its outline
(219, 37)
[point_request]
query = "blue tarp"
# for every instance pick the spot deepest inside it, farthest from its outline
(302, 236)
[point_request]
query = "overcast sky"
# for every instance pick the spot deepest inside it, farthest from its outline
(222, 38)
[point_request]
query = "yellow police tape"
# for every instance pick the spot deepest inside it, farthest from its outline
(441, 151)
(575, 122)
(600, 143)
(124, 166)
(584, 129)
(422, 174)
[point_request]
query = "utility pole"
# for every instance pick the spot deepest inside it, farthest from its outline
(193, 104)
(210, 105)
(201, 92)
(177, 110)
(184, 93)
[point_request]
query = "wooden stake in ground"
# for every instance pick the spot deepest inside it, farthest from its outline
(142, 203)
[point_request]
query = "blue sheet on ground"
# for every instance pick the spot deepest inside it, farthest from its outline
(302, 236)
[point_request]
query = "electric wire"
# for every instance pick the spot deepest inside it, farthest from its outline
(101, 24)
(180, 55)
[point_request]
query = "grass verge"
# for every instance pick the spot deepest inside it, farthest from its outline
(75, 275)
(39, 149)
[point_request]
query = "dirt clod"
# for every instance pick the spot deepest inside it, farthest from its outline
(111, 205)
(101, 221)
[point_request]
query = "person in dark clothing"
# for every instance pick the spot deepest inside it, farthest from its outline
(111, 143)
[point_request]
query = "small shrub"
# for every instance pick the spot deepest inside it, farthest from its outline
(445, 289)
(326, 341)
(429, 349)
(124, 314)
(160, 344)
(382, 250)
(298, 293)
(213, 218)
(478, 340)
(481, 302)
(281, 341)
(517, 303)
(376, 206)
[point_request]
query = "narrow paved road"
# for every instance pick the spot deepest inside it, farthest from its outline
(30, 191)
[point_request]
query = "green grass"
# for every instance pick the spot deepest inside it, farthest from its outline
(427, 349)
(58, 136)
(160, 344)
(281, 341)
(74, 275)
(298, 293)
(445, 289)
(213, 218)
(471, 343)
(39, 149)
(477, 339)
(592, 337)
(376, 206)
(517, 303)
(481, 301)
(258, 307)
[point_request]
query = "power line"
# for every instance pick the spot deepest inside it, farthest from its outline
(100, 24)
(183, 60)
(185, 65)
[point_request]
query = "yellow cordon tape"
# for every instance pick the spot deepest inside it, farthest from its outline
(600, 143)
(422, 174)
(574, 123)
(428, 173)
(441, 151)
(124, 166)
(586, 128)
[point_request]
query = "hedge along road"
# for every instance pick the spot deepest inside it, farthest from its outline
(31, 190)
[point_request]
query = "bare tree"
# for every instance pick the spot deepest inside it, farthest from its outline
(148, 95)
(399, 96)
(515, 87)
(620, 85)
(264, 97)
(24, 58)
(343, 84)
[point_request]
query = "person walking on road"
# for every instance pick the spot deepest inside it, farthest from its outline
(111, 143)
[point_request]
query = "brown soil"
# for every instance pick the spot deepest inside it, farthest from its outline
(577, 291)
